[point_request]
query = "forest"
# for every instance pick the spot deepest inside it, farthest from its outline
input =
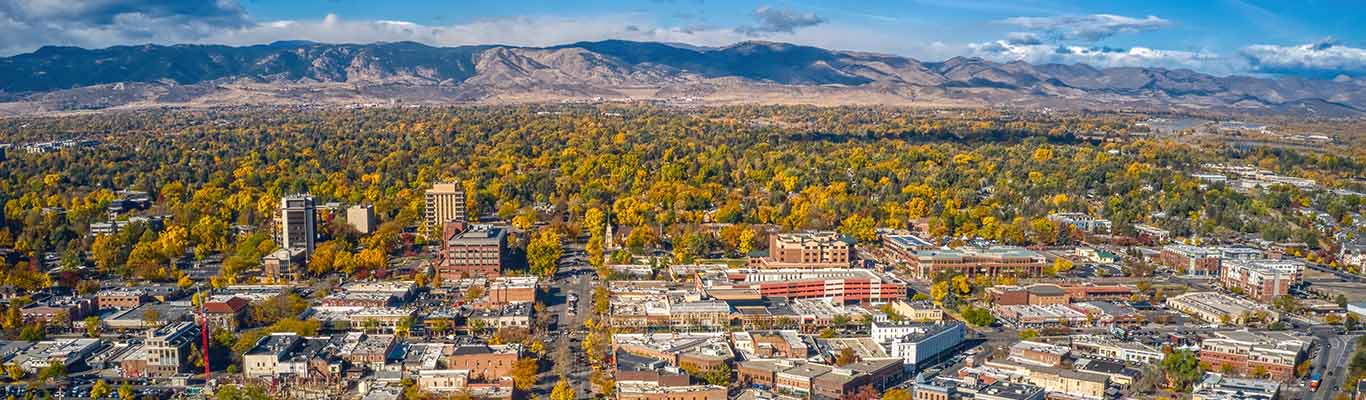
(217, 176)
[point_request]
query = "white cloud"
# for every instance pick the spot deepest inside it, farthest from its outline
(1088, 28)
(1104, 57)
(1325, 58)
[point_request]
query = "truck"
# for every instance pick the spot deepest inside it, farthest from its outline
(1314, 381)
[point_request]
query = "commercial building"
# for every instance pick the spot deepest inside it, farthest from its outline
(842, 285)
(917, 343)
(1274, 354)
(298, 223)
(1039, 294)
(1219, 387)
(484, 362)
(1010, 391)
(66, 352)
(445, 203)
(164, 352)
(1081, 222)
(806, 379)
(815, 249)
(265, 357)
(773, 344)
(477, 251)
(1038, 353)
(695, 351)
(923, 311)
(1221, 309)
(1115, 349)
(284, 264)
(644, 390)
(1190, 260)
(361, 217)
(905, 246)
(973, 262)
(1032, 316)
(1262, 280)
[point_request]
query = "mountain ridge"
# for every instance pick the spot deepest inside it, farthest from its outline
(63, 78)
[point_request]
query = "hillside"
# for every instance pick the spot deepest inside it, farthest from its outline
(68, 78)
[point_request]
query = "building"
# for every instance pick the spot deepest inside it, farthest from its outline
(1010, 391)
(1221, 309)
(1261, 280)
(843, 285)
(973, 262)
(644, 390)
(1036, 316)
(924, 310)
(918, 343)
(1190, 260)
(478, 251)
(1039, 294)
(1115, 349)
(1273, 354)
(226, 311)
(1081, 222)
(820, 381)
(1152, 234)
(121, 298)
(284, 264)
(511, 290)
(772, 344)
(484, 362)
(1038, 353)
(361, 218)
(264, 358)
(298, 223)
(1219, 387)
(904, 246)
(66, 352)
(445, 204)
(691, 351)
(814, 249)
(164, 353)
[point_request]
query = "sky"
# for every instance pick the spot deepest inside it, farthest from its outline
(1321, 39)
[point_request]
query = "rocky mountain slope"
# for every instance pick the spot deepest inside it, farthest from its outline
(65, 78)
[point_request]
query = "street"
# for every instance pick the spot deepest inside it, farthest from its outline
(564, 344)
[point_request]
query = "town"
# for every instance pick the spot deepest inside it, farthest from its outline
(853, 313)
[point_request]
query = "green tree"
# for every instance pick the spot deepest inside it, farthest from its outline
(99, 390)
(1181, 369)
(562, 390)
(126, 392)
(859, 227)
(92, 326)
(543, 253)
(1028, 334)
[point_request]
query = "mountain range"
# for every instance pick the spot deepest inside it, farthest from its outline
(294, 72)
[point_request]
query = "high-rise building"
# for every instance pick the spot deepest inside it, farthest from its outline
(298, 222)
(362, 218)
(445, 204)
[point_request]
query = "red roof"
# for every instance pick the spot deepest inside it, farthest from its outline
(229, 306)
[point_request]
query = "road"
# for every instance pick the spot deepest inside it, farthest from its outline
(1337, 350)
(565, 350)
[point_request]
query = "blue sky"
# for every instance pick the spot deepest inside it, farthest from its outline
(1315, 38)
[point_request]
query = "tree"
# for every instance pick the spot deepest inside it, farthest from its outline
(543, 253)
(939, 291)
(126, 392)
(524, 373)
(1351, 322)
(151, 318)
(846, 356)
(562, 390)
(978, 316)
(99, 390)
(1028, 334)
(1182, 369)
(596, 221)
(859, 227)
(896, 394)
(14, 371)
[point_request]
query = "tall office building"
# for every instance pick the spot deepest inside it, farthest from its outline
(298, 222)
(445, 204)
